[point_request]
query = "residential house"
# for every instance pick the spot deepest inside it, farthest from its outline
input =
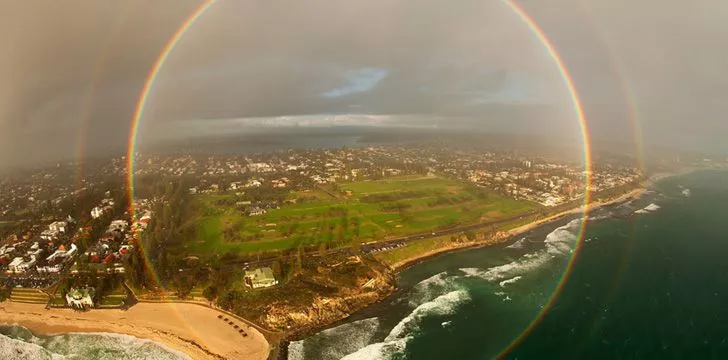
(260, 278)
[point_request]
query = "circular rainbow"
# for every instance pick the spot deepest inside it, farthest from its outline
(510, 4)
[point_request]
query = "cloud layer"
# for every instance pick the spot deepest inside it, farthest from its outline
(72, 72)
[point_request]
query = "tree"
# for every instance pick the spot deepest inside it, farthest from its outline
(298, 267)
(184, 284)
(210, 292)
(276, 267)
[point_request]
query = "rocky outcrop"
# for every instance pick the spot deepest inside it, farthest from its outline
(324, 310)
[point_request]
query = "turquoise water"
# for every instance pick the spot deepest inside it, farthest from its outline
(18, 343)
(649, 283)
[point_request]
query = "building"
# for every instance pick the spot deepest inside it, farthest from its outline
(256, 210)
(260, 278)
(58, 226)
(99, 211)
(62, 253)
(118, 225)
(19, 265)
(80, 299)
(49, 235)
(13, 266)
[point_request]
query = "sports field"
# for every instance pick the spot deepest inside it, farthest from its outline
(362, 212)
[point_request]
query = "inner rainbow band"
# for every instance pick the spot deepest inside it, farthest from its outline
(139, 112)
(517, 10)
(578, 108)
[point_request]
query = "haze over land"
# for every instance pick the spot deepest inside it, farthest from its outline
(430, 64)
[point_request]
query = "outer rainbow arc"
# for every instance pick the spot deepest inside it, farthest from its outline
(523, 16)
(98, 69)
(625, 86)
(576, 100)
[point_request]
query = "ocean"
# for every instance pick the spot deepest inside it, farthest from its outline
(648, 283)
(19, 343)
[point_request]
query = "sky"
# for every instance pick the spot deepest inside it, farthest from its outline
(72, 71)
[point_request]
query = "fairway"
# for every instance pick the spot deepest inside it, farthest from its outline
(364, 211)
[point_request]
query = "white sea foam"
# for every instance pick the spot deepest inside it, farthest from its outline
(686, 192)
(432, 287)
(21, 344)
(518, 244)
(627, 204)
(510, 281)
(21, 350)
(295, 350)
(437, 279)
(441, 305)
(558, 243)
(648, 209)
(472, 272)
(652, 207)
(396, 341)
(336, 342)
(378, 351)
(600, 216)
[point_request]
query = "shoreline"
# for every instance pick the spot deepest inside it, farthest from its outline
(643, 188)
(633, 194)
(191, 329)
(202, 340)
(402, 265)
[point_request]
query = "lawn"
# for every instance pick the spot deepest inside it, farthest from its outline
(365, 211)
(413, 249)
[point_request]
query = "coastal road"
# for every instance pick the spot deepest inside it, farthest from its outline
(373, 246)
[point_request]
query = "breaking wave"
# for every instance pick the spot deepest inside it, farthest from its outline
(652, 207)
(432, 287)
(396, 341)
(558, 243)
(648, 209)
(518, 244)
(17, 342)
(601, 216)
(510, 281)
(336, 342)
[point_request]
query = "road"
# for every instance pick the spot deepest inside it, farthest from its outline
(267, 261)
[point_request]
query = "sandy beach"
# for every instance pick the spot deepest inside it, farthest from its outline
(591, 207)
(192, 329)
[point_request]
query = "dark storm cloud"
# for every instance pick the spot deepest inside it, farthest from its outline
(71, 65)
(76, 67)
(279, 60)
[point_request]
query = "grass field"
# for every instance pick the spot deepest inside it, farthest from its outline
(372, 210)
(414, 249)
(28, 295)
